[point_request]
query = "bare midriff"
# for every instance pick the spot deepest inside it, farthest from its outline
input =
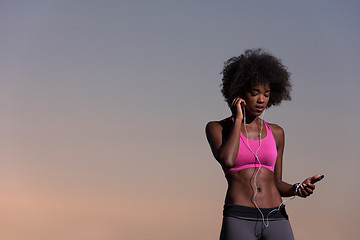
(241, 188)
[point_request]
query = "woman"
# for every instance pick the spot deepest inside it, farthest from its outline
(250, 150)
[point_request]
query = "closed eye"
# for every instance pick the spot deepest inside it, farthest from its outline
(255, 92)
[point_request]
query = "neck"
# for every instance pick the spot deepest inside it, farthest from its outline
(252, 120)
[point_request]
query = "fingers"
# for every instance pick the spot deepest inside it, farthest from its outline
(306, 189)
(236, 107)
(316, 176)
(238, 101)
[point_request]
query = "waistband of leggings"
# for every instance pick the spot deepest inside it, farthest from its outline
(251, 213)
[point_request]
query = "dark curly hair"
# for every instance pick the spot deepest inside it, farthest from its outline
(253, 67)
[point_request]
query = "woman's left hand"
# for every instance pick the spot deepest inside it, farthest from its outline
(306, 188)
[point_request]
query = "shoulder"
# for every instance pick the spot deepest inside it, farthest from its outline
(212, 125)
(276, 129)
(217, 126)
(278, 132)
(213, 132)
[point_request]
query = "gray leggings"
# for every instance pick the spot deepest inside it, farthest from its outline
(240, 229)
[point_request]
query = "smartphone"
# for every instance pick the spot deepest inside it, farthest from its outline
(317, 179)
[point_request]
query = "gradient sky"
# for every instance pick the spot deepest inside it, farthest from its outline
(104, 103)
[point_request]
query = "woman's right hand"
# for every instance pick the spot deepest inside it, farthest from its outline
(235, 107)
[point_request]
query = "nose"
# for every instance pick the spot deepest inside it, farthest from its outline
(261, 98)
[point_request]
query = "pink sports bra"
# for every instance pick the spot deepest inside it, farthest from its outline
(267, 153)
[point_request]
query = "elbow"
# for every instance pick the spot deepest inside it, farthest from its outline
(226, 157)
(278, 182)
(226, 161)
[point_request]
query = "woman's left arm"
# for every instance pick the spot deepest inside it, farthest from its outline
(285, 189)
(305, 188)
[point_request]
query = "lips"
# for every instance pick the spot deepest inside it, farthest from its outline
(259, 108)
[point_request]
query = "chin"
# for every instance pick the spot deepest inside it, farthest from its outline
(257, 113)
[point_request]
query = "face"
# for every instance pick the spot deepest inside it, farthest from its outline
(257, 98)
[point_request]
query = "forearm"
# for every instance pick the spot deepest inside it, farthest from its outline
(285, 189)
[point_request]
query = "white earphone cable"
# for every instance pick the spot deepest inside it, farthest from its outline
(266, 223)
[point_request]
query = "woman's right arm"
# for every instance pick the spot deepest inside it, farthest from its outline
(225, 150)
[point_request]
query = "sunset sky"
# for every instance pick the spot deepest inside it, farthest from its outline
(104, 104)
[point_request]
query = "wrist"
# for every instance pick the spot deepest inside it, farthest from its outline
(295, 188)
(238, 118)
